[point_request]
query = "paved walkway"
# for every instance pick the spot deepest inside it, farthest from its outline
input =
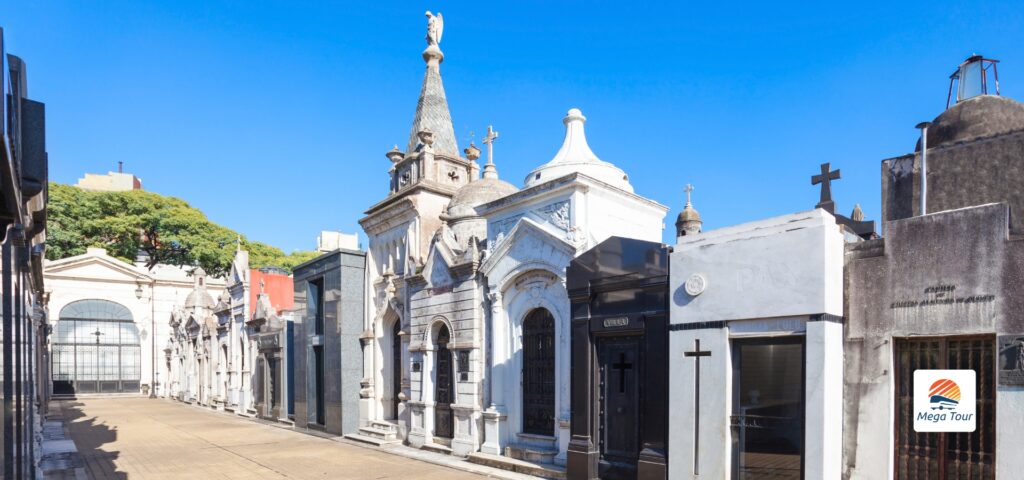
(150, 438)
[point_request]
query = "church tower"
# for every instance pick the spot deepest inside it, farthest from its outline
(423, 179)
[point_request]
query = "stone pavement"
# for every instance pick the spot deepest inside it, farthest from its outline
(135, 437)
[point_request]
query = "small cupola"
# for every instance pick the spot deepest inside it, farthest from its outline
(972, 78)
(688, 222)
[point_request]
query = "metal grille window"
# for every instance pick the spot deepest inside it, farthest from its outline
(96, 349)
(942, 456)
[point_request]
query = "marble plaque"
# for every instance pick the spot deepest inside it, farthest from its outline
(1011, 359)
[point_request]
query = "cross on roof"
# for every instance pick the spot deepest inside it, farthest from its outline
(489, 139)
(825, 179)
(688, 189)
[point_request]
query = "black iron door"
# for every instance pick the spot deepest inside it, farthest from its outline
(941, 456)
(539, 373)
(444, 424)
(619, 402)
(273, 378)
(318, 360)
(396, 367)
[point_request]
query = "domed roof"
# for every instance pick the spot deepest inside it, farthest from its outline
(977, 117)
(476, 193)
(199, 298)
(689, 214)
(576, 156)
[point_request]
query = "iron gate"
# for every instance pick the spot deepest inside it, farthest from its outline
(96, 349)
(539, 373)
(941, 456)
(444, 423)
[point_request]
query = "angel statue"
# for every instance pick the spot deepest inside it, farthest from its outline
(435, 27)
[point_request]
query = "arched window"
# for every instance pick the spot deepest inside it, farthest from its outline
(96, 349)
(539, 373)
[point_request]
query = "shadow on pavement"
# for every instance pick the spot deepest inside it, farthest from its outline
(89, 437)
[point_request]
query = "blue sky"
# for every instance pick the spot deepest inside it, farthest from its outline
(274, 117)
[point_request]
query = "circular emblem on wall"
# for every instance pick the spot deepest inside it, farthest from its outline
(696, 284)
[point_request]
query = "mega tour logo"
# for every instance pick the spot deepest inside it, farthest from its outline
(944, 400)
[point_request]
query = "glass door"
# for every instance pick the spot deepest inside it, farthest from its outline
(768, 408)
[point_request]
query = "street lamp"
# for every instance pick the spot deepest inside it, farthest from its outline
(152, 319)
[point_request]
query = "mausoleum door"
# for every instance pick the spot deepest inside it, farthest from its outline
(768, 408)
(619, 402)
(444, 423)
(396, 368)
(273, 380)
(539, 373)
(941, 456)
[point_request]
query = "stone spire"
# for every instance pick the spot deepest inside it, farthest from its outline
(688, 222)
(432, 108)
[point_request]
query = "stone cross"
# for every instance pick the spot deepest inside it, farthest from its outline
(489, 141)
(825, 179)
(696, 354)
(688, 189)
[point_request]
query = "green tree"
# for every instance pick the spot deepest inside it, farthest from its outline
(167, 229)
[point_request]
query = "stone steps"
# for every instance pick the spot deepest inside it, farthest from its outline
(536, 469)
(437, 448)
(377, 442)
(532, 453)
(377, 433)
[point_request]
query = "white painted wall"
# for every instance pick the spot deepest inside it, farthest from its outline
(766, 278)
(96, 275)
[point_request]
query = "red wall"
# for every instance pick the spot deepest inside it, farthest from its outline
(278, 287)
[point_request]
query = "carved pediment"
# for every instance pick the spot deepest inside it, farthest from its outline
(528, 245)
(556, 215)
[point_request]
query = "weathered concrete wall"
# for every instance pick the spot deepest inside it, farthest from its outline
(978, 172)
(891, 293)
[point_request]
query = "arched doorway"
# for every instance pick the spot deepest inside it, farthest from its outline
(96, 349)
(539, 373)
(444, 388)
(396, 367)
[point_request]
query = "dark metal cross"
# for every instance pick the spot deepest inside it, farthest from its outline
(622, 366)
(825, 179)
(696, 354)
(97, 333)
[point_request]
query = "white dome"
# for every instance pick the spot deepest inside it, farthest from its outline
(576, 156)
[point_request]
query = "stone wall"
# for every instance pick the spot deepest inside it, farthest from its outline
(951, 273)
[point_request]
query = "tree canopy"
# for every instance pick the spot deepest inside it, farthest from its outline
(168, 229)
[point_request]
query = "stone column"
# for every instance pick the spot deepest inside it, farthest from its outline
(367, 339)
(824, 398)
(496, 415)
